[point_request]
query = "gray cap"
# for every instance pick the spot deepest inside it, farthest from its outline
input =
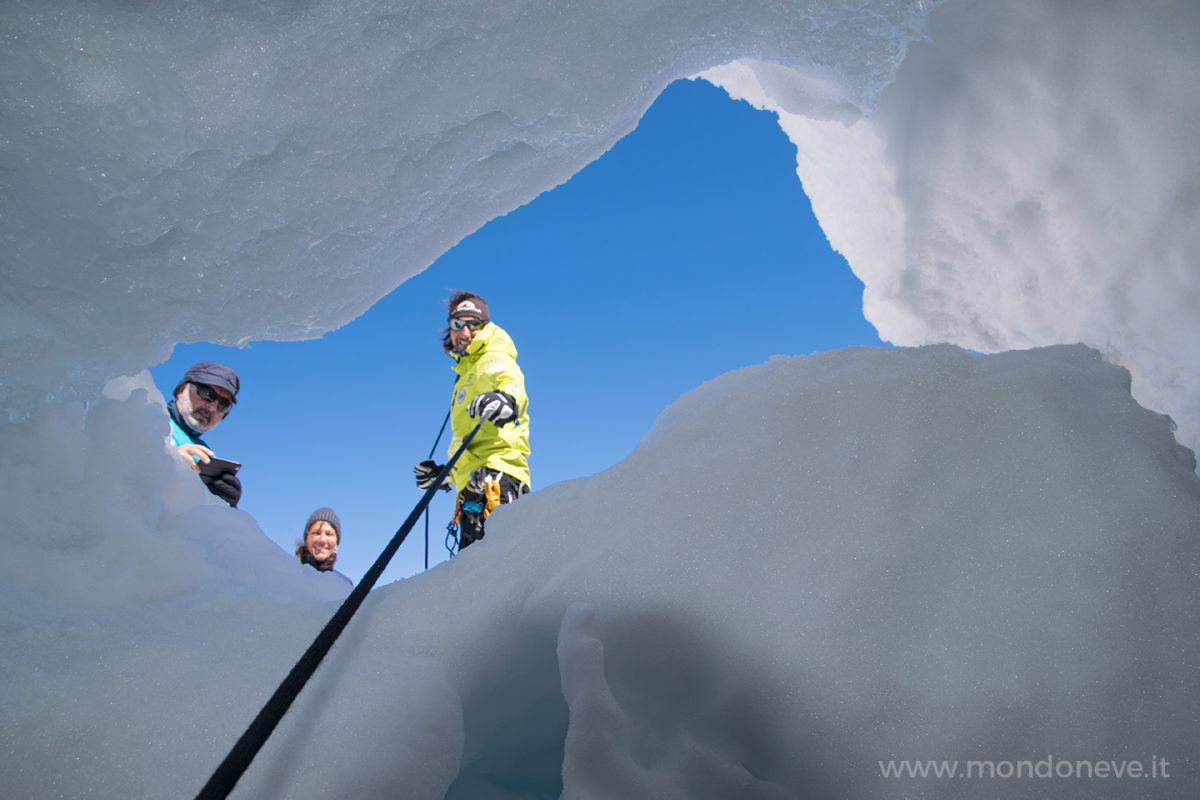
(211, 373)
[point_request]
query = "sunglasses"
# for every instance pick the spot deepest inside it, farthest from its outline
(459, 324)
(208, 395)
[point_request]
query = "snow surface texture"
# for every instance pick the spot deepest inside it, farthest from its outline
(808, 567)
(814, 565)
(288, 163)
(1024, 176)
(1029, 178)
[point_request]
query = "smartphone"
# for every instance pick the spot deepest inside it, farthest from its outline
(218, 466)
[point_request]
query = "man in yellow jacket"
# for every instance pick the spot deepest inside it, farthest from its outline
(495, 467)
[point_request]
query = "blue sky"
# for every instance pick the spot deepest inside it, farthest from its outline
(687, 250)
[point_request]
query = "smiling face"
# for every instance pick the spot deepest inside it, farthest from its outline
(320, 540)
(200, 405)
(461, 337)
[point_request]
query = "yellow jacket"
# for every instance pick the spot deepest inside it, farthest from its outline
(489, 365)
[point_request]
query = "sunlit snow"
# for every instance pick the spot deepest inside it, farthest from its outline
(811, 568)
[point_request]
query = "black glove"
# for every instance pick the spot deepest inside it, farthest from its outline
(495, 406)
(426, 473)
(225, 486)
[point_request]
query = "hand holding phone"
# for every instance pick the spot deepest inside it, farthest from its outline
(218, 466)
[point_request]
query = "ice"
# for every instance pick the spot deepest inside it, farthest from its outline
(810, 568)
(1027, 180)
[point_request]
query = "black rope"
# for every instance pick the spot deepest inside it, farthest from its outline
(226, 776)
(431, 450)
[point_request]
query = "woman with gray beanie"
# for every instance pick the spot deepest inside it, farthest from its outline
(322, 535)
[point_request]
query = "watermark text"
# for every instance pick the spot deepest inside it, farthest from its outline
(1049, 767)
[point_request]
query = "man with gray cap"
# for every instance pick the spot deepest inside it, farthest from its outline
(203, 398)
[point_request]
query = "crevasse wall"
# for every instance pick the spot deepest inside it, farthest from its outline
(998, 175)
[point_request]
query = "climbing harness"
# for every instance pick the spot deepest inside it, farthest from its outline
(229, 771)
(491, 499)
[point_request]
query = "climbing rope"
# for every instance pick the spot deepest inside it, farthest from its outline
(227, 774)
(452, 538)
(431, 451)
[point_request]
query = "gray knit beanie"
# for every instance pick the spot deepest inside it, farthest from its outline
(325, 515)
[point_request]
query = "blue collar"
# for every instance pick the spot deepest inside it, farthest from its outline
(173, 410)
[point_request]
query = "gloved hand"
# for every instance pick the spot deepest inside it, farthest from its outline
(426, 473)
(225, 486)
(498, 407)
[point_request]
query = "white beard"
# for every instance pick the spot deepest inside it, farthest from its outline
(184, 403)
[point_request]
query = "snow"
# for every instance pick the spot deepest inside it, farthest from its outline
(1028, 179)
(809, 567)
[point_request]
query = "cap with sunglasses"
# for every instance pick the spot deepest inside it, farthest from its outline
(210, 373)
(209, 395)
